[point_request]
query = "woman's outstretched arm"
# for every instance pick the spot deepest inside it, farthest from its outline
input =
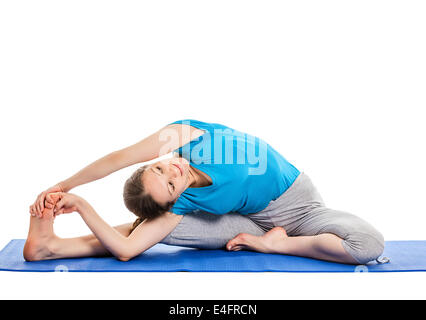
(156, 145)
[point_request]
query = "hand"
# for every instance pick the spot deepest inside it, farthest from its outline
(62, 202)
(36, 209)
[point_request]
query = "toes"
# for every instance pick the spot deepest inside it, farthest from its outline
(233, 246)
(237, 242)
(230, 244)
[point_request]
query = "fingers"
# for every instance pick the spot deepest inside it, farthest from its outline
(56, 196)
(40, 204)
(44, 200)
(52, 198)
(48, 202)
(65, 210)
(32, 210)
(34, 207)
(48, 205)
(59, 205)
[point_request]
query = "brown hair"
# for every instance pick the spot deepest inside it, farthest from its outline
(139, 202)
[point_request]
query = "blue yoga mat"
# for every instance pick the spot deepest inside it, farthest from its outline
(404, 256)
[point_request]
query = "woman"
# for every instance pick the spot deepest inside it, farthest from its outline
(222, 188)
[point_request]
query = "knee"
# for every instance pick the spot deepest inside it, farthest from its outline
(365, 247)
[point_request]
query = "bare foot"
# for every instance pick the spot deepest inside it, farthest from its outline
(40, 237)
(265, 243)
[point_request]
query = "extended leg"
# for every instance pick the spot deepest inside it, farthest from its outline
(43, 244)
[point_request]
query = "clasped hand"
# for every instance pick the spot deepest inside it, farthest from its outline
(62, 202)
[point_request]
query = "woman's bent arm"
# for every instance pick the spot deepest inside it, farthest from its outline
(142, 238)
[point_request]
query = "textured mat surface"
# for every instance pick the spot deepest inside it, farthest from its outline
(404, 256)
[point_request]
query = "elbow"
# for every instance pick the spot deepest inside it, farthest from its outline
(124, 256)
(127, 252)
(124, 259)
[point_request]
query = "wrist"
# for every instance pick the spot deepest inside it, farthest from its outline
(65, 187)
(82, 206)
(60, 187)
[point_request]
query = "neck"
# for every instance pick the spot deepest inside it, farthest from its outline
(193, 178)
(196, 180)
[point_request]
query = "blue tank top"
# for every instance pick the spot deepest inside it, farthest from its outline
(246, 172)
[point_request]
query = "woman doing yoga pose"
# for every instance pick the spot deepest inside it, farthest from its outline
(221, 189)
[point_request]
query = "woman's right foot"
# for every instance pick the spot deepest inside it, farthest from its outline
(266, 243)
(41, 238)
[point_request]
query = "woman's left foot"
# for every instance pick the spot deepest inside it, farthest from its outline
(41, 237)
(265, 243)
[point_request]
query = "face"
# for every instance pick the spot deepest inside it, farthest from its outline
(165, 180)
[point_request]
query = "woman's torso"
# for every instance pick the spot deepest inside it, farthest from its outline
(246, 172)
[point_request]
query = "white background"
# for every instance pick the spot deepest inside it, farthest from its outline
(338, 87)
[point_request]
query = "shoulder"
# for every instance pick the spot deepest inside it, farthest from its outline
(210, 127)
(197, 124)
(185, 130)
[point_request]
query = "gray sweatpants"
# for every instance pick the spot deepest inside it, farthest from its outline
(300, 210)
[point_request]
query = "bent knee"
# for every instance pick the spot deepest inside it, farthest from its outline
(364, 247)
